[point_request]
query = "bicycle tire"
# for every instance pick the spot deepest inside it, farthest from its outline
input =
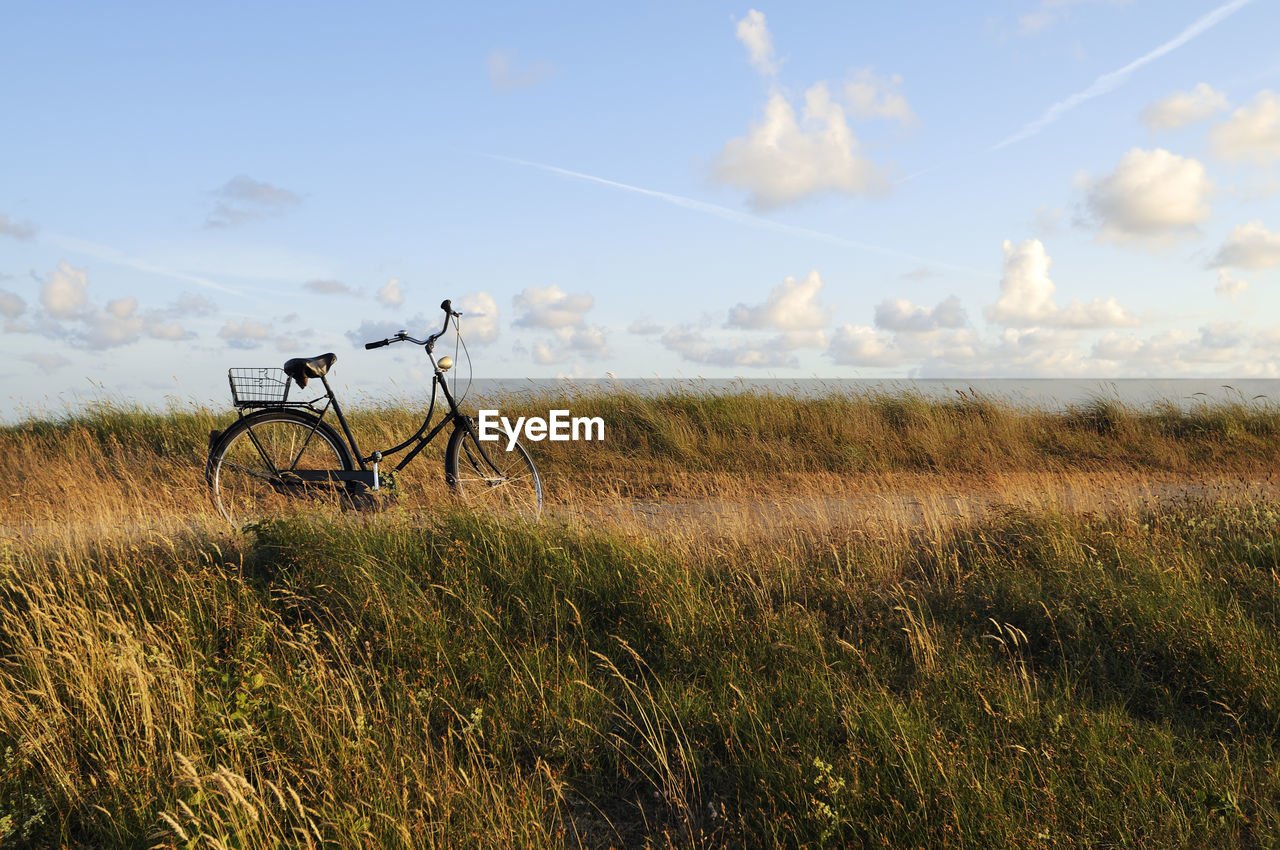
(248, 467)
(491, 476)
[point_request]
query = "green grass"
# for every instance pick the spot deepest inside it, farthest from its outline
(729, 432)
(1033, 680)
(113, 461)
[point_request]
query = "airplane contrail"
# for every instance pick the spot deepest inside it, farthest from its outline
(740, 217)
(1108, 82)
(116, 257)
(119, 258)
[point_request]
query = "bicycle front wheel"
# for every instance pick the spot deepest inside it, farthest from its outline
(491, 476)
(268, 460)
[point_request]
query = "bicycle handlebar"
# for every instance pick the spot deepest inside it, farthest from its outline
(447, 306)
(449, 313)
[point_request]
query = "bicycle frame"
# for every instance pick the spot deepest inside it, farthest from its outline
(370, 476)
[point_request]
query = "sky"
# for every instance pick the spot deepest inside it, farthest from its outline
(1023, 188)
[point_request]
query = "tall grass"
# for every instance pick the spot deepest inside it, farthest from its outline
(1034, 679)
(1060, 673)
(114, 465)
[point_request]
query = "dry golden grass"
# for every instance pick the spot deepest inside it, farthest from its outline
(745, 621)
(842, 455)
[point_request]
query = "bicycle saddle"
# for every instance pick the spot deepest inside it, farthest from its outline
(302, 368)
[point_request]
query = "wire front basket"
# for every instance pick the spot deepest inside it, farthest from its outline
(258, 387)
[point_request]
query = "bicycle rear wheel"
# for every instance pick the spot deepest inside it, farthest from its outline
(491, 476)
(267, 461)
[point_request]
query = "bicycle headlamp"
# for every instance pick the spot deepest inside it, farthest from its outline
(445, 363)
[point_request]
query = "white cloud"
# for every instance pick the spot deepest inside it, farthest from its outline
(858, 345)
(791, 340)
(11, 305)
(373, 331)
(913, 337)
(1230, 287)
(1221, 336)
(171, 331)
(391, 294)
(505, 74)
(189, 304)
(950, 313)
(1048, 219)
(479, 316)
(1110, 81)
(871, 96)
(550, 307)
(900, 314)
(791, 309)
(122, 308)
(1185, 107)
(693, 346)
(782, 160)
(1249, 246)
(1036, 352)
(1219, 346)
(21, 230)
(570, 342)
(64, 292)
(243, 199)
(1151, 195)
(117, 325)
(1026, 295)
(790, 306)
(245, 334)
(1252, 133)
(918, 273)
(959, 346)
(1050, 11)
(1095, 313)
(1026, 291)
(120, 323)
(69, 314)
(289, 345)
(753, 32)
(545, 355)
(644, 327)
(950, 347)
(47, 362)
(1121, 347)
(1040, 338)
(328, 287)
(590, 340)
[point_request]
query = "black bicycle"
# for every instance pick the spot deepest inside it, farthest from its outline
(281, 450)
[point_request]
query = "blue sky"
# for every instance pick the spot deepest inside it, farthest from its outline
(1048, 188)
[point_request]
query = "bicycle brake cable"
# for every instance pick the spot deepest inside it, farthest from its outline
(457, 339)
(471, 368)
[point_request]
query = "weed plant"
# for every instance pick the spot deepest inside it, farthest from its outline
(1034, 679)
(115, 464)
(438, 678)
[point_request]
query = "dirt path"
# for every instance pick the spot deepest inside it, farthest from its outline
(878, 508)
(923, 503)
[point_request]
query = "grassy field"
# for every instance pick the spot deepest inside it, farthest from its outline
(112, 465)
(1027, 675)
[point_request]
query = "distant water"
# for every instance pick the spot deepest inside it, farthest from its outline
(1041, 393)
